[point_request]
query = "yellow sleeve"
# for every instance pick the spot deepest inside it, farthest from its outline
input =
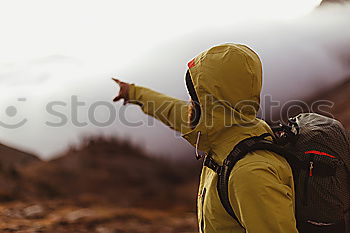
(172, 112)
(261, 200)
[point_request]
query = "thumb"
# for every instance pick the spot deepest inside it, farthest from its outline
(117, 98)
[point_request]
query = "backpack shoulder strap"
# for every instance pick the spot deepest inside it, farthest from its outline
(239, 151)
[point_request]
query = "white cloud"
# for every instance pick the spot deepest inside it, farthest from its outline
(107, 29)
(149, 43)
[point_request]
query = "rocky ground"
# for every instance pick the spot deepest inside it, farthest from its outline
(58, 216)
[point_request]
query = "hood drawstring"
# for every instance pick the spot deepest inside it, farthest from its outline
(198, 156)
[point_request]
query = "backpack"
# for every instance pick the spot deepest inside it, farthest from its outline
(317, 149)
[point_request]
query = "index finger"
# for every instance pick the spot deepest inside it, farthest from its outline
(117, 80)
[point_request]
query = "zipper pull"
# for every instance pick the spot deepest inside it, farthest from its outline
(198, 156)
(311, 167)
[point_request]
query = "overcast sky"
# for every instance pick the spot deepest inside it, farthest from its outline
(56, 50)
(105, 29)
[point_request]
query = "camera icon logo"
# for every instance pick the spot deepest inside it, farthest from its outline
(11, 112)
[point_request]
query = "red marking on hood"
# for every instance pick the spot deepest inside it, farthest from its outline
(191, 63)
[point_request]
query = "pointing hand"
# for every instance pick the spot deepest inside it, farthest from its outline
(123, 91)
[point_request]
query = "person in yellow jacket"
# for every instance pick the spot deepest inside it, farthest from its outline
(226, 81)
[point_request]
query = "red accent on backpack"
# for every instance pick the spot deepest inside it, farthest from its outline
(318, 153)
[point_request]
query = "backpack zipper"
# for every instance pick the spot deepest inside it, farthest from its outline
(306, 182)
(202, 220)
(310, 168)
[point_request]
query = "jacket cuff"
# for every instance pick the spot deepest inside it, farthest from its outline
(131, 92)
(132, 98)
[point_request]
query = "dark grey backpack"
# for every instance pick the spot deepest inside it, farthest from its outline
(318, 151)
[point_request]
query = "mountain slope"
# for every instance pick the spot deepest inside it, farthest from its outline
(11, 160)
(12, 157)
(110, 171)
(325, 2)
(337, 99)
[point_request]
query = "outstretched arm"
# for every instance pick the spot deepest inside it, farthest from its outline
(172, 112)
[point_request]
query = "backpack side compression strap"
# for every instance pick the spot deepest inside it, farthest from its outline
(240, 150)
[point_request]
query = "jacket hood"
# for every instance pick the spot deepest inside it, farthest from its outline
(227, 80)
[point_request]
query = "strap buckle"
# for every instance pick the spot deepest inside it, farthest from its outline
(210, 163)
